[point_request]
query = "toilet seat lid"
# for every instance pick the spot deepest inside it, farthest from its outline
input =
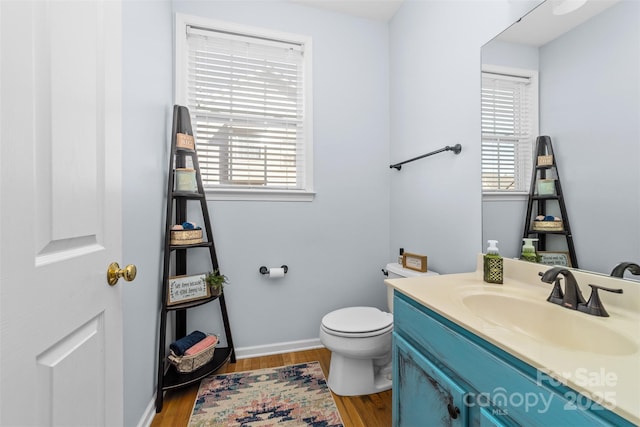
(357, 320)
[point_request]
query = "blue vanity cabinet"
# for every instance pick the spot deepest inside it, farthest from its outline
(441, 400)
(425, 395)
(446, 376)
(488, 418)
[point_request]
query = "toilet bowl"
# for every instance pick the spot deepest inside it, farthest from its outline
(359, 339)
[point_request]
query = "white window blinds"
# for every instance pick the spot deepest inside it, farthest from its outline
(507, 132)
(246, 98)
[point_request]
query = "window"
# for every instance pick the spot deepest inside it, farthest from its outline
(248, 92)
(509, 129)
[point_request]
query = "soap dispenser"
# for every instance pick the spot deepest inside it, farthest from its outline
(493, 264)
(529, 251)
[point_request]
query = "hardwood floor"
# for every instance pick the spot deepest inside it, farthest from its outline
(359, 411)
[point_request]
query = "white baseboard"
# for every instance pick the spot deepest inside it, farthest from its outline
(244, 353)
(277, 348)
(148, 414)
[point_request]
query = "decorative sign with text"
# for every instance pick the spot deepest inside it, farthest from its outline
(187, 288)
(555, 258)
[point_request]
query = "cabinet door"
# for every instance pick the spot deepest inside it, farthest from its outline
(493, 417)
(423, 395)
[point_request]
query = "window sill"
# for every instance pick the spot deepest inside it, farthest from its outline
(260, 195)
(504, 196)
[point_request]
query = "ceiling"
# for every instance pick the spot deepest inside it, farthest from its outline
(378, 10)
(528, 31)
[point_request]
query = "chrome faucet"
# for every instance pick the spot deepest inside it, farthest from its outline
(572, 297)
(618, 270)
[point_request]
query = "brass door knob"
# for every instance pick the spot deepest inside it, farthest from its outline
(114, 272)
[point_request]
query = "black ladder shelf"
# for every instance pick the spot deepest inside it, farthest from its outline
(168, 377)
(546, 168)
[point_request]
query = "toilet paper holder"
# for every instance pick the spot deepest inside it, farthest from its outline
(265, 270)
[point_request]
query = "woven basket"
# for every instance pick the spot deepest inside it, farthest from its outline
(545, 160)
(185, 237)
(548, 225)
(186, 364)
(185, 141)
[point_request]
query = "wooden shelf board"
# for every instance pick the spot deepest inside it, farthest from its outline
(191, 304)
(188, 194)
(193, 245)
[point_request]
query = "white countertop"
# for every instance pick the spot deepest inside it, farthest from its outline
(586, 359)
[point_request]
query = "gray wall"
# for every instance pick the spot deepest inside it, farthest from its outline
(435, 101)
(590, 105)
(147, 98)
(335, 245)
(514, 55)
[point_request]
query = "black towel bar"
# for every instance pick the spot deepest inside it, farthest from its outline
(456, 149)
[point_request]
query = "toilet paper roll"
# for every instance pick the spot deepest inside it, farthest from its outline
(276, 272)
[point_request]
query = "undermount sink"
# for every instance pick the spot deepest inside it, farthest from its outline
(548, 323)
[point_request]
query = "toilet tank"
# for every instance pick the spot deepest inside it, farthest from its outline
(397, 271)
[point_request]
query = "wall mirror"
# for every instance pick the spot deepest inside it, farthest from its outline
(587, 64)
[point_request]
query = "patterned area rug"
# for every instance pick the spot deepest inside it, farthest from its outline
(289, 396)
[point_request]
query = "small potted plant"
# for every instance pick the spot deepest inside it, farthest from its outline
(215, 281)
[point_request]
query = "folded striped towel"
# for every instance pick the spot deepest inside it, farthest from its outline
(180, 346)
(198, 347)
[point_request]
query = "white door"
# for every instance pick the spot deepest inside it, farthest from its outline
(60, 213)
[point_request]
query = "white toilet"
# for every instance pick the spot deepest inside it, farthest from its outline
(360, 342)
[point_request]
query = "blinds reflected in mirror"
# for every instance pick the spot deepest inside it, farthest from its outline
(509, 127)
